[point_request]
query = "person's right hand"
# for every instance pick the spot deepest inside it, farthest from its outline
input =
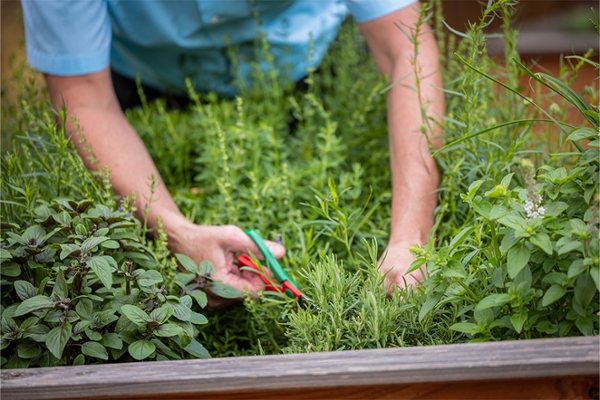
(219, 245)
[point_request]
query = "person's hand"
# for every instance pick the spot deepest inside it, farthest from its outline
(219, 245)
(397, 259)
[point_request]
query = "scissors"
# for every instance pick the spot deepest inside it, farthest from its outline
(284, 283)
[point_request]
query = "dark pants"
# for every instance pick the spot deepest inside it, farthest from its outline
(126, 90)
(127, 93)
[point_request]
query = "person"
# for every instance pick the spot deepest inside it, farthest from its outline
(76, 44)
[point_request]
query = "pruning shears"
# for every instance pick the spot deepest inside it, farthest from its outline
(284, 283)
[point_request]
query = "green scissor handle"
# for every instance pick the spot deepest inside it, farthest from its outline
(270, 258)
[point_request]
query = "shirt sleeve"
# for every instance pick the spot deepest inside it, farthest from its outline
(67, 37)
(368, 10)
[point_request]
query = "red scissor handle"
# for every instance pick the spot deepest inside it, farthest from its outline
(262, 272)
(288, 289)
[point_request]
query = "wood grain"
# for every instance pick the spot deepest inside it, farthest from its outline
(558, 368)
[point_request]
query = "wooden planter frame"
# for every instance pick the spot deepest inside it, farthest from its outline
(528, 369)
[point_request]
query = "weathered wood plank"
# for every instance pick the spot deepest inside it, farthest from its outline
(354, 371)
(525, 389)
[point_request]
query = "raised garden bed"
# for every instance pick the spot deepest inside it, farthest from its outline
(565, 368)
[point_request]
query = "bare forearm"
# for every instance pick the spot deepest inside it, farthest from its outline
(109, 140)
(414, 174)
(415, 177)
(115, 144)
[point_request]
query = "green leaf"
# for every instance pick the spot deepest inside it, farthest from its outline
(29, 322)
(461, 237)
(466, 327)
(149, 278)
(60, 285)
(429, 304)
(94, 349)
(585, 325)
(225, 291)
(10, 268)
(569, 247)
(576, 268)
(545, 327)
(484, 317)
(200, 297)
(81, 230)
(165, 349)
(197, 350)
(493, 300)
(181, 312)
(499, 211)
(198, 319)
(595, 273)
(68, 250)
(57, 339)
(585, 289)
(92, 242)
(103, 318)
(514, 221)
(102, 270)
(518, 320)
(554, 293)
(111, 244)
(517, 259)
(555, 208)
(589, 156)
(206, 268)
(167, 330)
(37, 333)
(84, 308)
(33, 232)
(25, 290)
(79, 360)
(498, 278)
(542, 240)
(112, 340)
(93, 335)
(34, 304)
(582, 134)
(506, 180)
(29, 349)
(9, 325)
(483, 208)
(161, 314)
(5, 254)
(63, 218)
(187, 263)
(141, 349)
(135, 314)
(81, 326)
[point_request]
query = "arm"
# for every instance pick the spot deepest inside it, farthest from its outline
(415, 177)
(113, 142)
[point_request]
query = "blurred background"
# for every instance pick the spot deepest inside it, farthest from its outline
(549, 28)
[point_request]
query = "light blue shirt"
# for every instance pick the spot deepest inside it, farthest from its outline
(166, 41)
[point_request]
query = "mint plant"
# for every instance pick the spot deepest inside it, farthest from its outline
(83, 287)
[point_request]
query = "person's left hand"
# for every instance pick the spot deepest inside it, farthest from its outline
(397, 259)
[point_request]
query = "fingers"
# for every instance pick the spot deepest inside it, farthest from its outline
(276, 249)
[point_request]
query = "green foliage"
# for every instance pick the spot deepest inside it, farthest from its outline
(79, 284)
(515, 253)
